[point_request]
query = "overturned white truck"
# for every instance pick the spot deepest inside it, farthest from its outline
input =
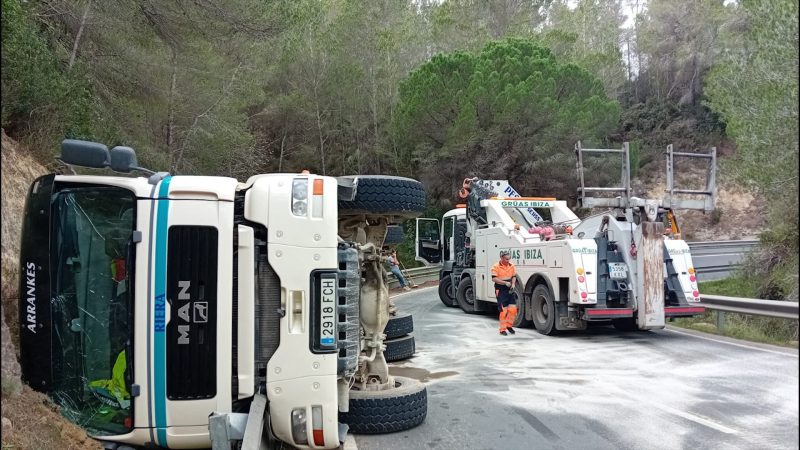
(623, 265)
(186, 311)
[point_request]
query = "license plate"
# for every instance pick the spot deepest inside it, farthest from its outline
(618, 270)
(327, 311)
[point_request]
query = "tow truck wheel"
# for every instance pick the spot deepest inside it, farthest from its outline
(520, 321)
(446, 291)
(398, 409)
(383, 194)
(465, 295)
(544, 310)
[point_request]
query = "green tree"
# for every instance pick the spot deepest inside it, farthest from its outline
(754, 88)
(511, 111)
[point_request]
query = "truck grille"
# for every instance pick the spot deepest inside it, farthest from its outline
(268, 316)
(192, 329)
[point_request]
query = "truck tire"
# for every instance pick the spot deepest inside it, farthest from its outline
(625, 324)
(399, 349)
(446, 292)
(398, 409)
(520, 321)
(544, 310)
(394, 235)
(465, 296)
(399, 325)
(383, 194)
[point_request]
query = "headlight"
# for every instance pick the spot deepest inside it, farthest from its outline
(299, 420)
(300, 197)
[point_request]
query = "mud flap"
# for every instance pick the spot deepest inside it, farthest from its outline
(650, 280)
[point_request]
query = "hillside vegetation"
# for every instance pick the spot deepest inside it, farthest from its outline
(434, 90)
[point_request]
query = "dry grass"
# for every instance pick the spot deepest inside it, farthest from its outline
(35, 421)
(36, 424)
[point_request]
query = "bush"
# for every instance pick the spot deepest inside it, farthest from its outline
(41, 101)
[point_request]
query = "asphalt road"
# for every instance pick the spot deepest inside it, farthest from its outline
(598, 389)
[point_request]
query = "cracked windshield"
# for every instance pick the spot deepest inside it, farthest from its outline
(91, 306)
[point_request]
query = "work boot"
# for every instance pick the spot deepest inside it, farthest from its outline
(511, 330)
(414, 285)
(406, 288)
(504, 333)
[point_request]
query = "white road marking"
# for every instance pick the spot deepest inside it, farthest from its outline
(733, 343)
(697, 419)
(412, 291)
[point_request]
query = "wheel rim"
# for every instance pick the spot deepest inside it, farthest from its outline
(469, 296)
(541, 310)
(451, 292)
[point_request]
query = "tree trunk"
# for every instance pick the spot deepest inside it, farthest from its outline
(77, 42)
(171, 103)
(283, 148)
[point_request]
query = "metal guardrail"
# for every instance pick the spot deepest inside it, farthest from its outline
(757, 307)
(715, 260)
(417, 275)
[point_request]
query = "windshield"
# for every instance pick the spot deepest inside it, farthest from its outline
(91, 254)
(529, 220)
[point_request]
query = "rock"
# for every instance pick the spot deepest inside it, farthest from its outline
(6, 426)
(10, 366)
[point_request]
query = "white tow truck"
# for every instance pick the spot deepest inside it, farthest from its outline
(621, 265)
(195, 312)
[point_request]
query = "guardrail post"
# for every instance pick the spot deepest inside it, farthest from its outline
(720, 320)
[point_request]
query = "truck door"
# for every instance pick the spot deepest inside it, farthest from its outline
(428, 242)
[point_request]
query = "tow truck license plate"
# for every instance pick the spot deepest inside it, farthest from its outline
(618, 270)
(327, 311)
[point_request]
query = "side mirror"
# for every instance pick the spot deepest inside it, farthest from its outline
(84, 153)
(123, 159)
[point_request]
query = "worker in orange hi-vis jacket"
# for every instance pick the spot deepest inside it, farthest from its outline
(504, 276)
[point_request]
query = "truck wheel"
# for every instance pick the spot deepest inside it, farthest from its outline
(544, 310)
(465, 296)
(446, 291)
(399, 349)
(520, 321)
(383, 194)
(625, 324)
(398, 326)
(398, 409)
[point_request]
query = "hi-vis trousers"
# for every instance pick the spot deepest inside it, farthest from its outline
(507, 305)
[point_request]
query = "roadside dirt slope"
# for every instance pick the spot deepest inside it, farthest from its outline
(29, 419)
(740, 214)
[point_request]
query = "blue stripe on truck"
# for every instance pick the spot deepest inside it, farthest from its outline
(159, 314)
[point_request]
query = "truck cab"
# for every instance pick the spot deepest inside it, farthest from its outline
(151, 303)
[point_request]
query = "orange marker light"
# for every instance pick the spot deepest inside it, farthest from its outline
(318, 186)
(691, 270)
(580, 271)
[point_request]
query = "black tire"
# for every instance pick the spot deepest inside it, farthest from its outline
(544, 310)
(520, 321)
(394, 235)
(398, 409)
(446, 292)
(625, 324)
(383, 194)
(399, 349)
(399, 325)
(465, 296)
